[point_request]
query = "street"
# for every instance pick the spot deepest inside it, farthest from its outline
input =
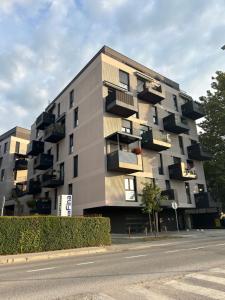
(191, 267)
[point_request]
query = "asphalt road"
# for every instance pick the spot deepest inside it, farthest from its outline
(192, 267)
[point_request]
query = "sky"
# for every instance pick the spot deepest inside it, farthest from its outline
(44, 43)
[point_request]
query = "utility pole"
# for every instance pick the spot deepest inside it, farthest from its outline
(3, 205)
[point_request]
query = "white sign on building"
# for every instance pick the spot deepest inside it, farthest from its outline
(64, 206)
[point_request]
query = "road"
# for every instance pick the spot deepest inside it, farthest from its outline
(192, 267)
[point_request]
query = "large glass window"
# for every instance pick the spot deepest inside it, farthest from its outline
(58, 109)
(61, 171)
(160, 164)
(181, 144)
(126, 126)
(75, 117)
(71, 144)
(140, 85)
(71, 99)
(5, 147)
(70, 189)
(143, 128)
(17, 148)
(175, 102)
(75, 166)
(155, 115)
(124, 79)
(188, 193)
(130, 188)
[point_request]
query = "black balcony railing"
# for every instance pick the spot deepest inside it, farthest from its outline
(54, 133)
(21, 164)
(123, 161)
(33, 187)
(154, 139)
(198, 152)
(52, 180)
(175, 123)
(44, 120)
(35, 148)
(121, 103)
(153, 93)
(43, 161)
(180, 171)
(192, 110)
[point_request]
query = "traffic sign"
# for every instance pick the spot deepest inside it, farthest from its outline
(174, 205)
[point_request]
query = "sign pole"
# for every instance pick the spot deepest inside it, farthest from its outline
(176, 220)
(175, 206)
(3, 205)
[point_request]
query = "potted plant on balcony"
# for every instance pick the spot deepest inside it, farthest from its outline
(137, 150)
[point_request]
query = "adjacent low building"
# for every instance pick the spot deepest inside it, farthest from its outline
(13, 168)
(116, 125)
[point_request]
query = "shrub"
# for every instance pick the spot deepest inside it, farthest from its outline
(40, 233)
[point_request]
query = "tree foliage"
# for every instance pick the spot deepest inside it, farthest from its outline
(213, 136)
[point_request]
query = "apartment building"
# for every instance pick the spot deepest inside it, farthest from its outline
(13, 168)
(116, 125)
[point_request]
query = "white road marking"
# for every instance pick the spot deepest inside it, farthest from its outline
(44, 269)
(196, 289)
(136, 256)
(195, 248)
(148, 294)
(210, 278)
(85, 263)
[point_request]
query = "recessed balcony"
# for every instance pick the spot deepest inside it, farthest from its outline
(202, 200)
(181, 171)
(34, 187)
(51, 180)
(170, 194)
(123, 161)
(20, 190)
(121, 103)
(152, 93)
(198, 152)
(21, 164)
(192, 110)
(35, 147)
(44, 120)
(54, 133)
(155, 139)
(43, 161)
(175, 123)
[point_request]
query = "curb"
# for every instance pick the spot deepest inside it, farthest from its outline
(30, 257)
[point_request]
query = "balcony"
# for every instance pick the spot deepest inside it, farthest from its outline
(202, 200)
(123, 161)
(43, 161)
(176, 124)
(34, 187)
(180, 171)
(21, 164)
(121, 103)
(54, 133)
(44, 120)
(20, 190)
(155, 139)
(152, 93)
(192, 110)
(51, 180)
(198, 152)
(170, 194)
(35, 148)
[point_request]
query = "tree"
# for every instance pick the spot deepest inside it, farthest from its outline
(213, 136)
(150, 202)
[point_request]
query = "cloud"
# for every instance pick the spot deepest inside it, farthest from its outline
(45, 43)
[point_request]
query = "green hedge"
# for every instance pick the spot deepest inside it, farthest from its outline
(39, 233)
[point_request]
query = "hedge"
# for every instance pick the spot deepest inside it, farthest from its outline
(40, 233)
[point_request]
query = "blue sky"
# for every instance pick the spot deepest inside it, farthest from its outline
(44, 43)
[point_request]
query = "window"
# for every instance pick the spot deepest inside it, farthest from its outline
(124, 79)
(2, 175)
(187, 188)
(155, 115)
(61, 171)
(46, 195)
(75, 166)
(57, 152)
(140, 84)
(75, 117)
(181, 144)
(58, 109)
(49, 151)
(168, 186)
(55, 198)
(5, 147)
(15, 175)
(71, 99)
(1, 158)
(130, 188)
(175, 102)
(160, 158)
(17, 148)
(143, 128)
(71, 144)
(70, 189)
(176, 160)
(126, 126)
(201, 188)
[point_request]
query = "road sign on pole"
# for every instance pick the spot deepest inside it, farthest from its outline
(175, 206)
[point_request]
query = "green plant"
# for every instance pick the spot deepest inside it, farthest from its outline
(46, 233)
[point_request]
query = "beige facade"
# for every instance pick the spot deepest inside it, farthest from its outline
(107, 160)
(13, 166)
